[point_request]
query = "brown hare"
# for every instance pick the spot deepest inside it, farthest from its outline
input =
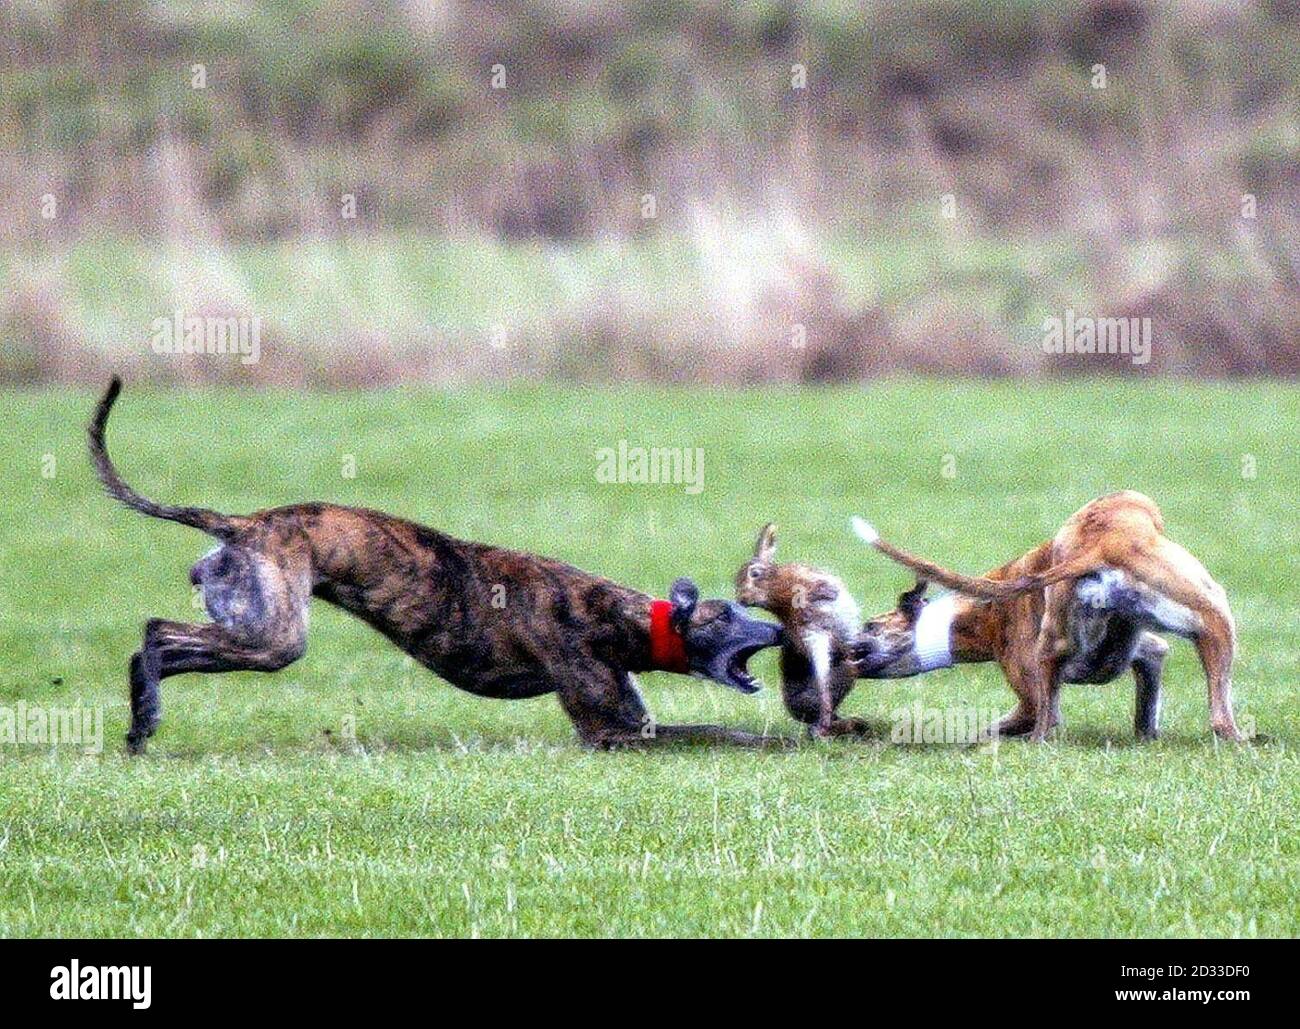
(821, 623)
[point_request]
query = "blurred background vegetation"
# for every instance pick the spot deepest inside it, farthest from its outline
(679, 190)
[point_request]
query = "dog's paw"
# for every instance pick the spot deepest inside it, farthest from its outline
(860, 727)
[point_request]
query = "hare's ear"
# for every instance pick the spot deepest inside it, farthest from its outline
(911, 602)
(765, 548)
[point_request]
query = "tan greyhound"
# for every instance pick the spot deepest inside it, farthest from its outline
(1080, 608)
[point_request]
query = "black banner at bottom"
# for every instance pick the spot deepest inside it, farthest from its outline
(143, 978)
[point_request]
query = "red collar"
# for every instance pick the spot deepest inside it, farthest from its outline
(667, 648)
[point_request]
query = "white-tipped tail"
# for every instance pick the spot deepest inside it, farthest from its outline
(864, 530)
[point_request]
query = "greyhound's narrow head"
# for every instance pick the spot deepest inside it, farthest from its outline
(887, 644)
(758, 575)
(719, 636)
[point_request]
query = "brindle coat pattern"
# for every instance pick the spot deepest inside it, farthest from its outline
(495, 622)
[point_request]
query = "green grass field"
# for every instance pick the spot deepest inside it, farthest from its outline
(354, 793)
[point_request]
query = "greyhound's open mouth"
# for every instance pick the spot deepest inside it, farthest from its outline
(738, 676)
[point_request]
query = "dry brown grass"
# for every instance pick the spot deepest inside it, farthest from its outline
(390, 102)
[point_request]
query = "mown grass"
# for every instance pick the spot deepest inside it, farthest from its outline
(355, 793)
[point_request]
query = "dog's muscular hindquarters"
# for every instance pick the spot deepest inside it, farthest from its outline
(496, 622)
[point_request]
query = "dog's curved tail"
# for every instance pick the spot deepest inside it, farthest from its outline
(975, 586)
(224, 527)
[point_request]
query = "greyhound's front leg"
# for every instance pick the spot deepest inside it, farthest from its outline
(607, 711)
(1021, 719)
(1046, 688)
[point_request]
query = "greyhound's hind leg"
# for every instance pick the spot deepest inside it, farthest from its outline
(172, 648)
(260, 612)
(1148, 663)
(1199, 610)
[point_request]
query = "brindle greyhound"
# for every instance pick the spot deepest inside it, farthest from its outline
(495, 622)
(1081, 608)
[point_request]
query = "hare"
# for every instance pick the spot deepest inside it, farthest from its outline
(822, 624)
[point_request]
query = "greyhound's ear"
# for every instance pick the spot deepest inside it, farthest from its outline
(765, 548)
(683, 595)
(911, 602)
